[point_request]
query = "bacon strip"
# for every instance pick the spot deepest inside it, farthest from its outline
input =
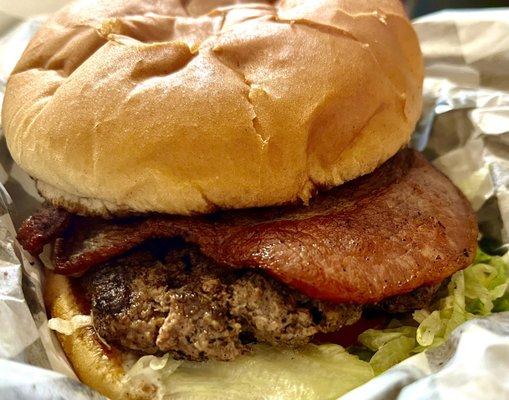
(384, 234)
(41, 228)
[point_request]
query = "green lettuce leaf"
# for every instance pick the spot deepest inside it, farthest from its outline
(392, 352)
(375, 339)
(312, 372)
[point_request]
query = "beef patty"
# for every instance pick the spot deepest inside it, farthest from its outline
(183, 303)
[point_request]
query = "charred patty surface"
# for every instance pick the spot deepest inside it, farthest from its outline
(185, 304)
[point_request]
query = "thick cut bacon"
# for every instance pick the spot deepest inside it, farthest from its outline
(381, 235)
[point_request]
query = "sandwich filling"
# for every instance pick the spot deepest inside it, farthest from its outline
(179, 301)
(185, 304)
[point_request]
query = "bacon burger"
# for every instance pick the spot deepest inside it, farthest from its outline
(224, 173)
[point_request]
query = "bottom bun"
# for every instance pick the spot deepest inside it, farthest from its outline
(95, 364)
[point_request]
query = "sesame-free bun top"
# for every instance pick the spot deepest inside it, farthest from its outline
(183, 106)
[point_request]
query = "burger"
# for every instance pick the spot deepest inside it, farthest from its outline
(227, 178)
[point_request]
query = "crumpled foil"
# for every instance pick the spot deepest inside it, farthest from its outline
(464, 130)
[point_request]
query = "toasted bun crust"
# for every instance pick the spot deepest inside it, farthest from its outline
(96, 367)
(184, 106)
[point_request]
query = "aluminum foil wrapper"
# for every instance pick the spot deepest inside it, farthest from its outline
(464, 130)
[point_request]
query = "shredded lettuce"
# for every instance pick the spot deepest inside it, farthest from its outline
(312, 372)
(479, 290)
(68, 326)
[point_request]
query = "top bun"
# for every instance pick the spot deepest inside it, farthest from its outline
(183, 106)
